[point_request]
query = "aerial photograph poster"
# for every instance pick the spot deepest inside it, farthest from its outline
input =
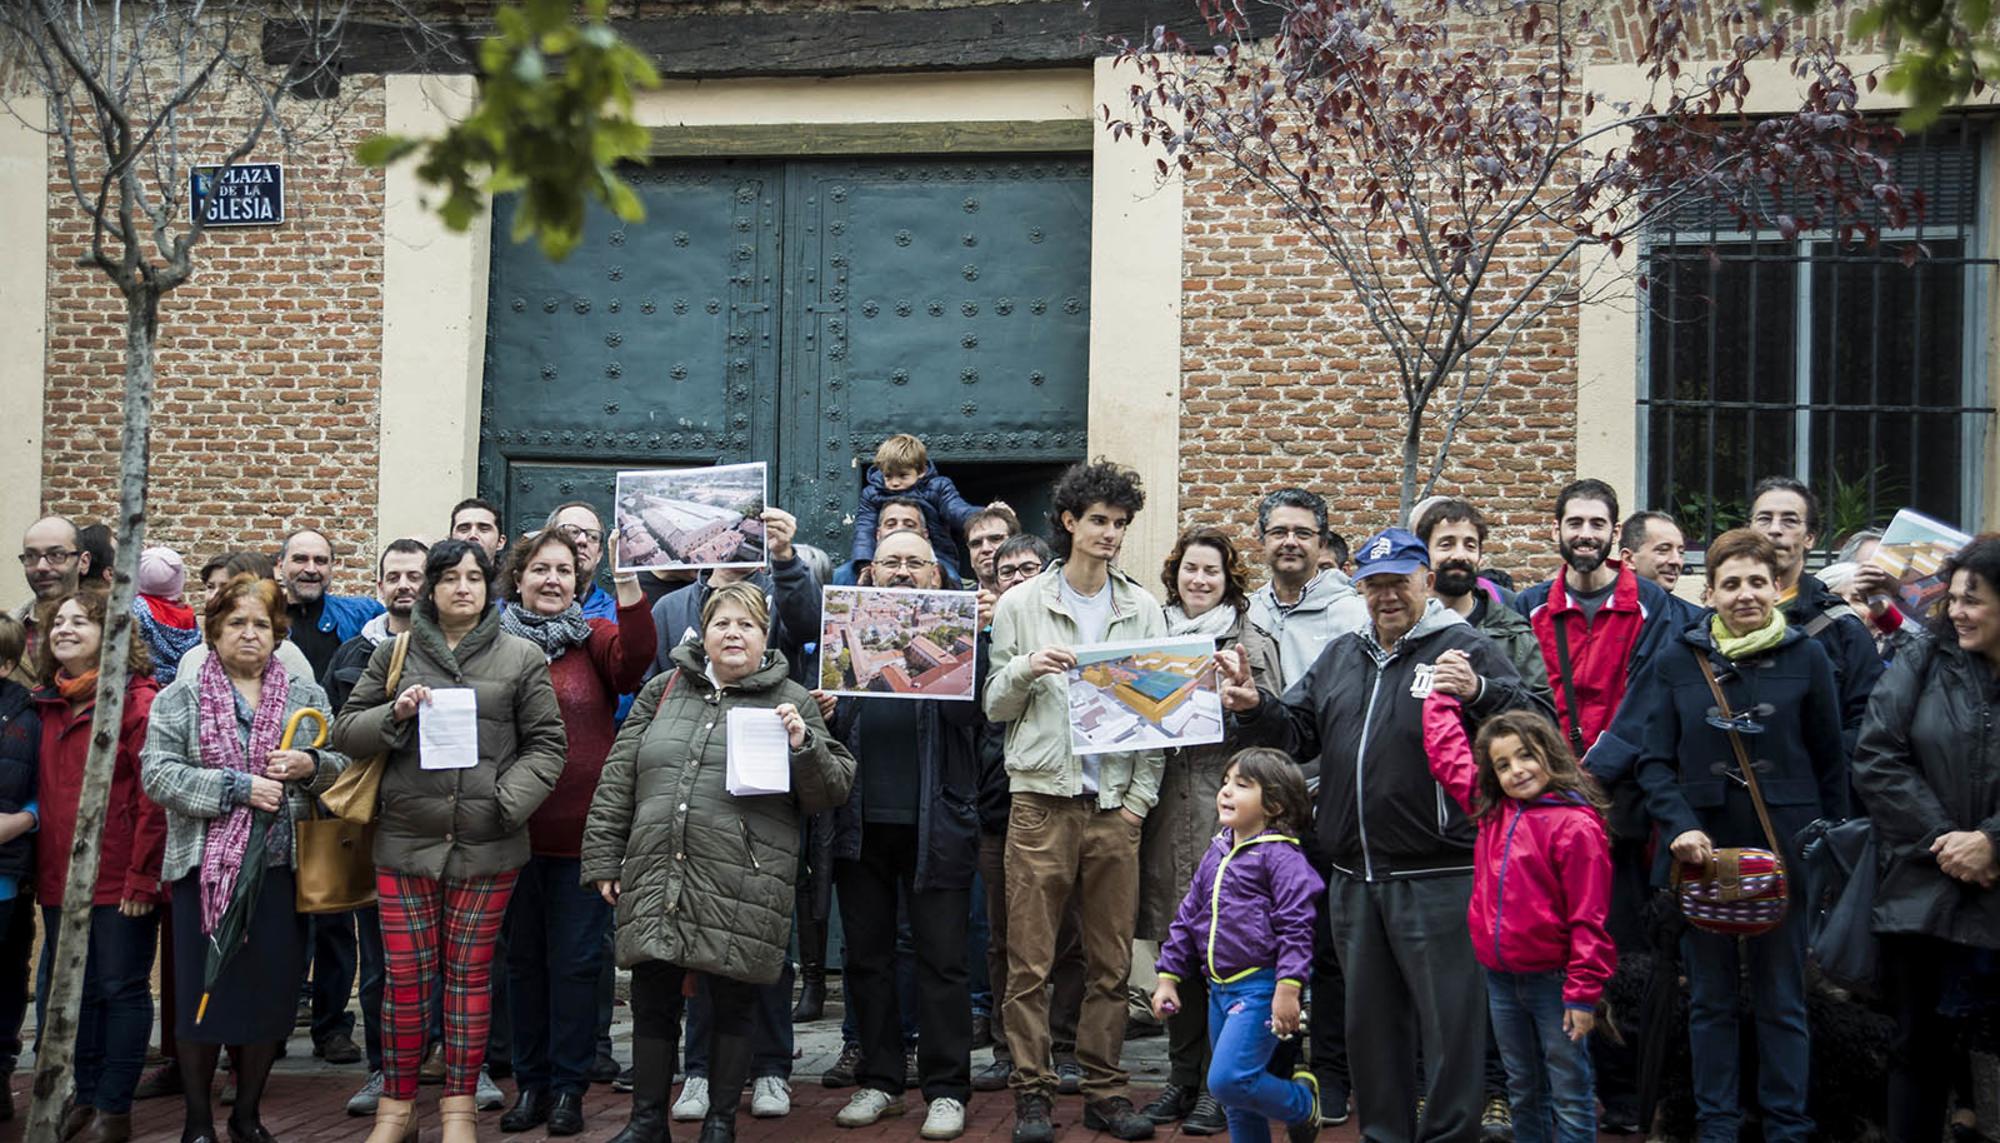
(1144, 694)
(1914, 548)
(897, 642)
(689, 518)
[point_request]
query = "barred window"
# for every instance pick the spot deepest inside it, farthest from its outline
(1835, 363)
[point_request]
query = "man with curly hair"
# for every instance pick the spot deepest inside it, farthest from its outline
(1074, 822)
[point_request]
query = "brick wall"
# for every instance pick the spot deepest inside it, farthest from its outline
(269, 358)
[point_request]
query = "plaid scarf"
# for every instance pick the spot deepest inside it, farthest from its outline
(554, 634)
(223, 749)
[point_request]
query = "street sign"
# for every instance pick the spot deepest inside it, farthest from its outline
(247, 194)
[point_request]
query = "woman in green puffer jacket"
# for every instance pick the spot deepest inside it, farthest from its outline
(702, 879)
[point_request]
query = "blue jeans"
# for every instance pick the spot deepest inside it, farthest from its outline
(1547, 1075)
(374, 974)
(117, 1016)
(1777, 972)
(1239, 1036)
(554, 952)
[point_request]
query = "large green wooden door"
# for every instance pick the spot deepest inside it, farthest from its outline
(798, 313)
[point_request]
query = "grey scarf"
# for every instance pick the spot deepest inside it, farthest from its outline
(554, 634)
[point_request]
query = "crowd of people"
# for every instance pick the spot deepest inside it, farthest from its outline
(1439, 805)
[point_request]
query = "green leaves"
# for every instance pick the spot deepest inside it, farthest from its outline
(1941, 51)
(552, 122)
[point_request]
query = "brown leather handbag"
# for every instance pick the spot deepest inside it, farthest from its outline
(1738, 892)
(352, 796)
(333, 853)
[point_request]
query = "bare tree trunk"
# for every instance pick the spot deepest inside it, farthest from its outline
(1413, 438)
(54, 1079)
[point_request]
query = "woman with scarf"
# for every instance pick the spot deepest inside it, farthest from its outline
(117, 1015)
(1204, 578)
(451, 831)
(212, 761)
(1780, 687)
(556, 925)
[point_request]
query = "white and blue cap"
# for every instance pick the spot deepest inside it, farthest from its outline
(1391, 552)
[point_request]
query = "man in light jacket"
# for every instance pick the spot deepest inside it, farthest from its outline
(1074, 823)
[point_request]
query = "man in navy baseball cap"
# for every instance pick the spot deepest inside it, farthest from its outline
(1393, 572)
(1391, 552)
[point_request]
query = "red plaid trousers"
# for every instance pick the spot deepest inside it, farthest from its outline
(415, 911)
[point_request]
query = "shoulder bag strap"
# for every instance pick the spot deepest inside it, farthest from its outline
(396, 657)
(1742, 755)
(1569, 689)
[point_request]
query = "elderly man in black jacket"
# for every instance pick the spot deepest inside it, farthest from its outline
(1401, 850)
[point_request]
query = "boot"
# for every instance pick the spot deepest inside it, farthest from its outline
(395, 1121)
(729, 1056)
(459, 1118)
(652, 1083)
(719, 1127)
(107, 1128)
(812, 971)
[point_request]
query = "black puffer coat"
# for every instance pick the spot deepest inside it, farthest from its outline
(1928, 763)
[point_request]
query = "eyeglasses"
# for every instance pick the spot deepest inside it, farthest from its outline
(1018, 571)
(1291, 533)
(904, 565)
(577, 532)
(54, 557)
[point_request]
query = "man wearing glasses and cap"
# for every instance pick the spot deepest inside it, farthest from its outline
(1401, 851)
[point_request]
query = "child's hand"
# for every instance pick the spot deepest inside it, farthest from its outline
(1285, 1011)
(1166, 998)
(1577, 1024)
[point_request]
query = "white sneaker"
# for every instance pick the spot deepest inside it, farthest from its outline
(771, 1097)
(488, 1096)
(945, 1121)
(868, 1106)
(693, 1103)
(365, 1101)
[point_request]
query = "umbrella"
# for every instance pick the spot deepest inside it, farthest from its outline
(232, 930)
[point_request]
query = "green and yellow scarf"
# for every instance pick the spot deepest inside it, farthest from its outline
(1736, 647)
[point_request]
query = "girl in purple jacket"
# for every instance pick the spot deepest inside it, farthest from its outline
(1247, 922)
(1541, 889)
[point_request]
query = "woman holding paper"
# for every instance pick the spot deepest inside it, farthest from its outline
(473, 741)
(555, 923)
(702, 877)
(212, 761)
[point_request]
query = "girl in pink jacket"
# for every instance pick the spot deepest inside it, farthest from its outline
(1541, 888)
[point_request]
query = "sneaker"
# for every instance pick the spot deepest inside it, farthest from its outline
(994, 1076)
(1117, 1117)
(488, 1096)
(1207, 1118)
(1305, 1130)
(841, 1074)
(867, 1107)
(982, 1031)
(771, 1097)
(338, 1048)
(1496, 1123)
(692, 1106)
(945, 1120)
(1031, 1119)
(364, 1102)
(624, 1083)
(432, 1069)
(302, 1016)
(1172, 1104)
(1069, 1075)
(604, 1069)
(1334, 1107)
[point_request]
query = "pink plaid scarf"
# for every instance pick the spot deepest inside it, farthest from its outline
(223, 749)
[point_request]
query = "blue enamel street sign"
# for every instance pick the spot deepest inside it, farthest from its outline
(247, 194)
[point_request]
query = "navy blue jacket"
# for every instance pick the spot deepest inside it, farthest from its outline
(20, 750)
(945, 513)
(1688, 768)
(1857, 665)
(948, 770)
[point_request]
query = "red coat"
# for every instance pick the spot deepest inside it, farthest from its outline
(1541, 883)
(588, 681)
(135, 830)
(1635, 622)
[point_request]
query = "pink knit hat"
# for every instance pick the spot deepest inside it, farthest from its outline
(161, 573)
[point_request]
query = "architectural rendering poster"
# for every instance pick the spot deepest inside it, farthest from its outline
(682, 518)
(1913, 549)
(1144, 695)
(898, 642)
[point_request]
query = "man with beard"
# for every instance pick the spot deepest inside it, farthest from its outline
(1304, 606)
(399, 578)
(53, 562)
(1454, 532)
(1598, 623)
(321, 621)
(908, 830)
(1786, 512)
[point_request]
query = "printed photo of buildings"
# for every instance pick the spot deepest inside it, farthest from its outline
(1144, 696)
(898, 642)
(691, 517)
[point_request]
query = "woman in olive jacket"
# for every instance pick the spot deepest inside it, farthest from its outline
(1204, 578)
(449, 842)
(1928, 768)
(702, 879)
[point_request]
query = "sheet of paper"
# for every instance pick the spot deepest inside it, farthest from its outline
(448, 730)
(760, 753)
